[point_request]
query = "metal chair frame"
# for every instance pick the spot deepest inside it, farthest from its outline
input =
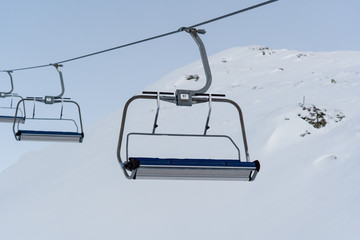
(251, 168)
(187, 168)
(74, 136)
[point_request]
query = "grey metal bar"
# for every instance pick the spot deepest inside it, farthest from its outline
(180, 135)
(184, 96)
(194, 34)
(33, 115)
(122, 128)
(11, 83)
(241, 123)
(57, 66)
(157, 112)
(208, 116)
(62, 108)
(6, 94)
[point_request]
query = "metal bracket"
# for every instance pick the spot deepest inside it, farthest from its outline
(49, 100)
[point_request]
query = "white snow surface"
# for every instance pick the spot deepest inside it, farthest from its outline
(307, 188)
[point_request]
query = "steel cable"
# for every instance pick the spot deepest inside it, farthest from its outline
(144, 40)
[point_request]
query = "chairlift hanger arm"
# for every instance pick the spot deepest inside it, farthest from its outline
(11, 82)
(184, 96)
(58, 98)
(4, 94)
(57, 66)
(205, 62)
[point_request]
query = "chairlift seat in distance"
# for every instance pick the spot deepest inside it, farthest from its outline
(49, 136)
(24, 133)
(11, 119)
(194, 169)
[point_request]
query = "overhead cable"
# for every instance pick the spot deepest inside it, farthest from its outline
(144, 40)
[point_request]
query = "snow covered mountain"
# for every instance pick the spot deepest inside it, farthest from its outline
(302, 122)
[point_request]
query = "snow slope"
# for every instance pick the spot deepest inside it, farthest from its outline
(307, 187)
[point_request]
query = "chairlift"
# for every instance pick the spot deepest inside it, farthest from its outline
(75, 134)
(7, 112)
(149, 167)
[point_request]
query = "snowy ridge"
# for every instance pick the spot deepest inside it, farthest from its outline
(307, 187)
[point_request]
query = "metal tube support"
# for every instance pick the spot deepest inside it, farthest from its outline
(208, 116)
(6, 94)
(184, 96)
(57, 66)
(194, 34)
(33, 115)
(11, 101)
(157, 112)
(242, 124)
(11, 82)
(62, 108)
(15, 123)
(122, 129)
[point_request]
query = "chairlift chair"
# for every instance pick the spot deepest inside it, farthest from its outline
(74, 135)
(6, 117)
(144, 167)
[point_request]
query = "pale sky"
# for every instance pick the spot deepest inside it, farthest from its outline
(42, 32)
